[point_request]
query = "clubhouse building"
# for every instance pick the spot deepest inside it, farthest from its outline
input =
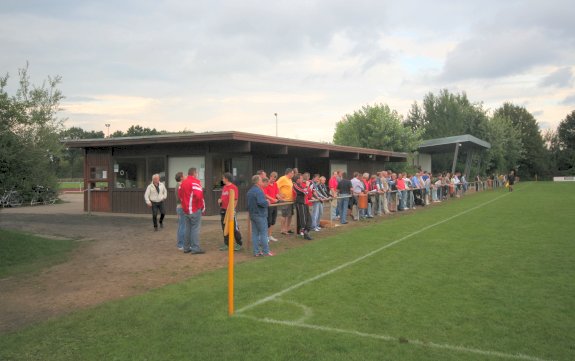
(118, 170)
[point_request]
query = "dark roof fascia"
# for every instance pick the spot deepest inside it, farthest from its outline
(223, 136)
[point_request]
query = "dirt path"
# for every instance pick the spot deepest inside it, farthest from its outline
(119, 256)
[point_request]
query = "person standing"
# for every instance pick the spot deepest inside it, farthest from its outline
(302, 192)
(271, 192)
(321, 195)
(332, 184)
(155, 195)
(285, 194)
(511, 180)
(192, 197)
(258, 211)
(180, 212)
(344, 188)
(224, 201)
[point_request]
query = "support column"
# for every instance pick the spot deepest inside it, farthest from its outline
(455, 157)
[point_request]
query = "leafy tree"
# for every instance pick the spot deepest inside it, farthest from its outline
(448, 114)
(30, 149)
(564, 150)
(376, 127)
(535, 157)
(566, 132)
(72, 161)
(137, 131)
(506, 148)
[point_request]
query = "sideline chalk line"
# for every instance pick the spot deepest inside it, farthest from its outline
(399, 340)
(361, 258)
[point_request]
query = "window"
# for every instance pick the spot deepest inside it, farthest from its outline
(157, 165)
(130, 173)
(182, 164)
(98, 178)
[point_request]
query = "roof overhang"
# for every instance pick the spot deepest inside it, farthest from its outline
(246, 142)
(447, 145)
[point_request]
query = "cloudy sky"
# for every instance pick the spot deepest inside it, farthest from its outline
(230, 65)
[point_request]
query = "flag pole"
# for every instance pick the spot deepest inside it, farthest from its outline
(230, 213)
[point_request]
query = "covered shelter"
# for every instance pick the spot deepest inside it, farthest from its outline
(118, 170)
(459, 144)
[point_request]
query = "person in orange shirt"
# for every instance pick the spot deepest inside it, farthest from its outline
(285, 194)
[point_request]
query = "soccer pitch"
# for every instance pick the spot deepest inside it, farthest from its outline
(486, 277)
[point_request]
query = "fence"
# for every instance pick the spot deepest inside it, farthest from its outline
(394, 200)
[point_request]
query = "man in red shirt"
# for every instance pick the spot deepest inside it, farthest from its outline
(224, 201)
(192, 197)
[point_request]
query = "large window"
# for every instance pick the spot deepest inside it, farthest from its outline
(182, 164)
(136, 172)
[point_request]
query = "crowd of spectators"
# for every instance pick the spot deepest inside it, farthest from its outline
(356, 197)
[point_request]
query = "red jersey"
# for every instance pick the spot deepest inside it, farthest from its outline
(192, 195)
(272, 191)
(400, 184)
(226, 195)
(333, 183)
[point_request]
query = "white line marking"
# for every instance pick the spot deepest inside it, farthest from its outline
(517, 356)
(359, 259)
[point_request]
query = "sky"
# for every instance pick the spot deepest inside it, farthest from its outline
(223, 65)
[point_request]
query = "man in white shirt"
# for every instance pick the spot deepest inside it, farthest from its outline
(155, 195)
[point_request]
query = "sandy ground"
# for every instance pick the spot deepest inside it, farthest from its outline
(118, 256)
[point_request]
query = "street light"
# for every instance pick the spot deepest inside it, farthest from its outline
(108, 126)
(276, 114)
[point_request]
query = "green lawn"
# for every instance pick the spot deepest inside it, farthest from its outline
(487, 277)
(25, 253)
(70, 185)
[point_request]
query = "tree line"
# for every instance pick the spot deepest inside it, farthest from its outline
(32, 152)
(516, 141)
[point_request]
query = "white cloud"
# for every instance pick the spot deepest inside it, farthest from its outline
(561, 78)
(224, 65)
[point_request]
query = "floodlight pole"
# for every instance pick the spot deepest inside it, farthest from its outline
(276, 115)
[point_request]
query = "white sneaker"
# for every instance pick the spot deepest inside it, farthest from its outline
(273, 239)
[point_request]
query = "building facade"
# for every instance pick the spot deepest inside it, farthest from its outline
(118, 170)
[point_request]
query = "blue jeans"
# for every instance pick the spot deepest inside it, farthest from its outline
(316, 213)
(193, 224)
(260, 235)
(402, 200)
(181, 235)
(342, 204)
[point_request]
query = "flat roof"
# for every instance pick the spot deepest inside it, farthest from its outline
(447, 144)
(236, 137)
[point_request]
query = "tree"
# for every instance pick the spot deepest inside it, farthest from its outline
(506, 148)
(376, 127)
(30, 149)
(535, 156)
(72, 161)
(137, 131)
(448, 114)
(565, 145)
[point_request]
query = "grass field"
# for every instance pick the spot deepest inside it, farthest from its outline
(487, 277)
(25, 253)
(70, 185)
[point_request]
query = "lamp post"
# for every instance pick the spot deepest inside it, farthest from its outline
(108, 126)
(276, 115)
